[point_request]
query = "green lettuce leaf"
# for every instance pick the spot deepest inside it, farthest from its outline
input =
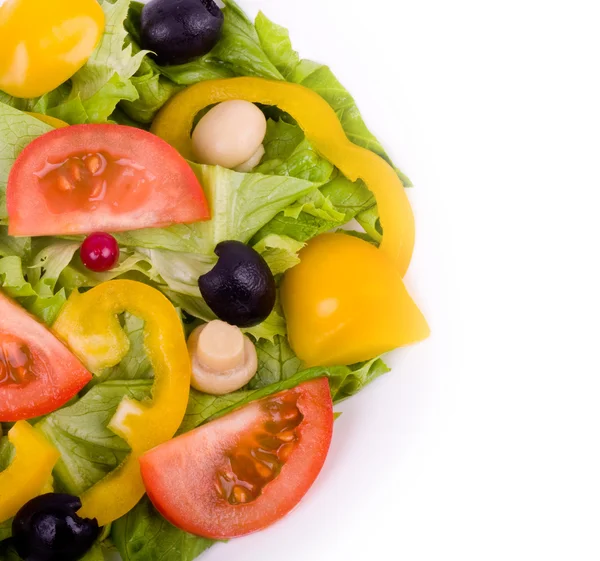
(240, 48)
(276, 362)
(17, 130)
(144, 535)
(280, 252)
(34, 284)
(105, 79)
(89, 449)
(369, 220)
(287, 152)
(341, 196)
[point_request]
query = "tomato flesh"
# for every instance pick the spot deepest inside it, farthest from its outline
(244, 471)
(38, 374)
(85, 178)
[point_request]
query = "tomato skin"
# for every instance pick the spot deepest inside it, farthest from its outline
(180, 475)
(136, 181)
(52, 375)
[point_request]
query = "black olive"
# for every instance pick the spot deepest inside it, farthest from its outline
(47, 528)
(180, 30)
(240, 289)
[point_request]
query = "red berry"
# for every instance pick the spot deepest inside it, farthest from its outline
(99, 252)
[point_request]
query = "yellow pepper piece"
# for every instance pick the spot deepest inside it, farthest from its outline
(52, 121)
(346, 302)
(28, 474)
(89, 325)
(43, 43)
(323, 129)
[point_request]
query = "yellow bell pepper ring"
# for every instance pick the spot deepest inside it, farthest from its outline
(28, 474)
(89, 324)
(52, 121)
(323, 129)
(346, 302)
(43, 43)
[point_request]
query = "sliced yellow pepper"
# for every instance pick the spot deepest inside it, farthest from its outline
(323, 129)
(28, 474)
(44, 43)
(52, 121)
(346, 302)
(89, 324)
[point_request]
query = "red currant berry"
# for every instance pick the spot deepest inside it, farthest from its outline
(99, 252)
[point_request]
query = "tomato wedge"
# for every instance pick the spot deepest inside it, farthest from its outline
(246, 470)
(38, 374)
(111, 178)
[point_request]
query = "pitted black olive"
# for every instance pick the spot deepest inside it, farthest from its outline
(180, 30)
(240, 289)
(47, 528)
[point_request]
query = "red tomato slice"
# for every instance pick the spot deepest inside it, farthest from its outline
(244, 471)
(38, 374)
(111, 178)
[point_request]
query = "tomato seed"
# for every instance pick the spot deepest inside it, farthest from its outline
(285, 451)
(64, 184)
(287, 436)
(93, 164)
(241, 495)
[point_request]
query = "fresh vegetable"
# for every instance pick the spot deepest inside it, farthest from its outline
(99, 252)
(231, 135)
(328, 303)
(247, 470)
(41, 51)
(240, 289)
(100, 178)
(47, 528)
(28, 473)
(223, 358)
(90, 325)
(38, 374)
(321, 127)
(180, 30)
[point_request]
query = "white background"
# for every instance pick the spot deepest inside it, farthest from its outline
(484, 443)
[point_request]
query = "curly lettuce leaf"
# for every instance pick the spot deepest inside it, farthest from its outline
(280, 252)
(276, 362)
(89, 449)
(144, 535)
(34, 283)
(342, 198)
(17, 130)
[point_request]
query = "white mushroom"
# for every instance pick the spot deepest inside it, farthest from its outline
(231, 135)
(223, 358)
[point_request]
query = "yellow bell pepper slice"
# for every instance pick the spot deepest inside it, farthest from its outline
(323, 129)
(89, 324)
(52, 121)
(44, 43)
(28, 474)
(346, 302)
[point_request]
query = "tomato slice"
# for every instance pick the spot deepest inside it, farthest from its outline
(38, 374)
(111, 178)
(243, 472)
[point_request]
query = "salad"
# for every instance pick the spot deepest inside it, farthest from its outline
(180, 305)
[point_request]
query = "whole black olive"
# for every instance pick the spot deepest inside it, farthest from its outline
(180, 30)
(240, 289)
(47, 528)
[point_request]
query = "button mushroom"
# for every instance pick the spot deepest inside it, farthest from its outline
(231, 135)
(223, 358)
